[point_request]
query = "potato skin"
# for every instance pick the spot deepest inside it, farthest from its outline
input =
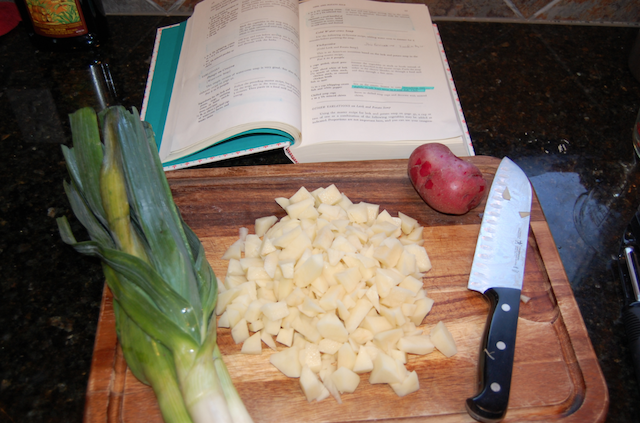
(445, 182)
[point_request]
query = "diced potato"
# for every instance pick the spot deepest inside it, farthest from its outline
(234, 268)
(268, 340)
(252, 246)
(408, 309)
(285, 336)
(423, 307)
(252, 345)
(388, 255)
(344, 202)
(330, 195)
(266, 247)
(300, 195)
(443, 340)
(398, 355)
(310, 307)
(233, 316)
(296, 247)
(311, 357)
(293, 315)
(329, 346)
(287, 361)
(343, 310)
(361, 335)
(349, 278)
(334, 256)
(299, 341)
(346, 356)
(394, 315)
(387, 339)
(412, 284)
(223, 321)
(247, 262)
(357, 314)
(272, 327)
(324, 238)
(416, 344)
(329, 300)
(271, 264)
(283, 289)
(287, 268)
(385, 370)
(345, 380)
(325, 377)
(423, 263)
(253, 312)
(263, 224)
(295, 298)
(319, 286)
(358, 213)
(386, 278)
(407, 223)
(409, 385)
(371, 349)
(397, 296)
(310, 214)
(225, 298)
(288, 236)
(309, 270)
(266, 294)
(376, 324)
(283, 202)
(338, 283)
(275, 310)
(306, 329)
(363, 363)
(416, 234)
(294, 210)
(257, 273)
(234, 251)
(256, 326)
(311, 386)
(240, 332)
(372, 295)
(331, 327)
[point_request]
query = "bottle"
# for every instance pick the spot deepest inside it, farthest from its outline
(65, 24)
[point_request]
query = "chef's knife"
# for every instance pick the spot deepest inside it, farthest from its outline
(498, 272)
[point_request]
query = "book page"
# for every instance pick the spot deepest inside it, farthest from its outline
(239, 65)
(372, 72)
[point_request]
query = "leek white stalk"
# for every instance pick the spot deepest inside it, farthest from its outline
(164, 289)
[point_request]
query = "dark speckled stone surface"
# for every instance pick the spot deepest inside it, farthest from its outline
(559, 100)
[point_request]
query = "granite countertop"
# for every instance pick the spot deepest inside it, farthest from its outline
(559, 100)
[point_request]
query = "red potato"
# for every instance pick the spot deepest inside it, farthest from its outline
(445, 182)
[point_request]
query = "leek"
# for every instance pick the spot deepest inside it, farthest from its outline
(164, 289)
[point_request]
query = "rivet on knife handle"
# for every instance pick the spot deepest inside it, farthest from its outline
(496, 356)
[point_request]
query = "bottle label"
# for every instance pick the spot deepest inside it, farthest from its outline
(57, 18)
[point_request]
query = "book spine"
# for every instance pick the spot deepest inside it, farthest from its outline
(152, 67)
(284, 145)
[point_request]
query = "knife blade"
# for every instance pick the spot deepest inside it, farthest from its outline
(498, 272)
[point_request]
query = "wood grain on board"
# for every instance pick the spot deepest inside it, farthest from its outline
(556, 375)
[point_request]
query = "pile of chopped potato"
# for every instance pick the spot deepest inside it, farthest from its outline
(340, 285)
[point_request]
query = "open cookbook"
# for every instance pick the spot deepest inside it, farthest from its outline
(323, 80)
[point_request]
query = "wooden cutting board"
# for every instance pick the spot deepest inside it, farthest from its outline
(556, 375)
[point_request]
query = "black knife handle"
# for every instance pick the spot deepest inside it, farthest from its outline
(496, 356)
(631, 318)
